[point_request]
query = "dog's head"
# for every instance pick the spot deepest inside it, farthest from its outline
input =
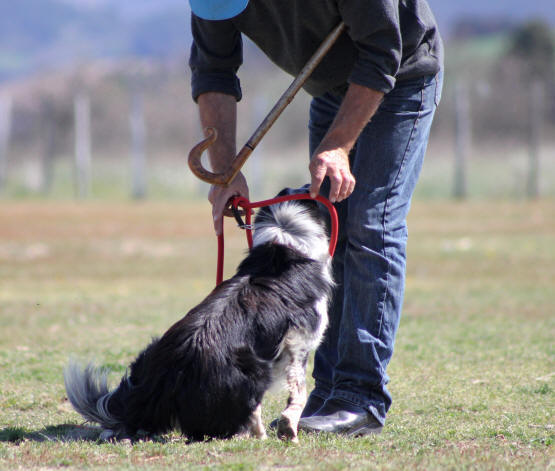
(297, 224)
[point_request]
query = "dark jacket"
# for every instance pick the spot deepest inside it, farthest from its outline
(385, 41)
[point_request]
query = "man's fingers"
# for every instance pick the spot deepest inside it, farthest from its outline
(352, 184)
(317, 177)
(218, 213)
(228, 212)
(336, 181)
(220, 198)
(342, 184)
(218, 223)
(333, 164)
(347, 186)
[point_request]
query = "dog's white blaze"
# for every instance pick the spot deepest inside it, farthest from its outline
(291, 227)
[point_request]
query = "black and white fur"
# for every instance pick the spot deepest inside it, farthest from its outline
(208, 373)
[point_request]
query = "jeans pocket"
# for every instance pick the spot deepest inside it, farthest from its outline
(407, 96)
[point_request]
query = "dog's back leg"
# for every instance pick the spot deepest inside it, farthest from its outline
(296, 385)
(256, 427)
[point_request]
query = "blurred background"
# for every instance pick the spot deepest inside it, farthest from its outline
(95, 103)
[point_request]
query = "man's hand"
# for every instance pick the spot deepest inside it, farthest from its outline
(219, 197)
(334, 164)
(331, 158)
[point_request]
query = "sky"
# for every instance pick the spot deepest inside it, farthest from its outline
(446, 11)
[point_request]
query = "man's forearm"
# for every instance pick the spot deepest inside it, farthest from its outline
(219, 111)
(331, 158)
(358, 107)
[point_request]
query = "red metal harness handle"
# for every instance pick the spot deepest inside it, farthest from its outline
(244, 203)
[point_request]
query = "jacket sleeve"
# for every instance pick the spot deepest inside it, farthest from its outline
(374, 27)
(216, 55)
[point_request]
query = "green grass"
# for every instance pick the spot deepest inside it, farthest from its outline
(473, 375)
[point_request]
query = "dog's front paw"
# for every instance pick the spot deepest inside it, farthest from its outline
(286, 430)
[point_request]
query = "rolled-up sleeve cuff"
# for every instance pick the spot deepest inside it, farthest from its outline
(222, 82)
(370, 77)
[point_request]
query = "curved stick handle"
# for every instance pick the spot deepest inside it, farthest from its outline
(224, 178)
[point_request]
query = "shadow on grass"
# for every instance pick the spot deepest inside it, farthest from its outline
(68, 433)
(52, 433)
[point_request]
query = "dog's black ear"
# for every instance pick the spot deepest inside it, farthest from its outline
(294, 191)
(300, 191)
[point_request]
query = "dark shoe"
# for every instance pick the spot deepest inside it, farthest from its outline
(313, 404)
(341, 418)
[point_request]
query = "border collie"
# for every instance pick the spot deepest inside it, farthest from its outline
(207, 374)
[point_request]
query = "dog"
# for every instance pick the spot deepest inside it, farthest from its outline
(207, 375)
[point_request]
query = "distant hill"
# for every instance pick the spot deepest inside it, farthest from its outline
(448, 13)
(45, 34)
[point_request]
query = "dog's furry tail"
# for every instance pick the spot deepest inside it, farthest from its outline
(87, 390)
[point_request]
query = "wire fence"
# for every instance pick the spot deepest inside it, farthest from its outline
(118, 137)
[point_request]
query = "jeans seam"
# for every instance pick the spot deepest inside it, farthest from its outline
(385, 211)
(320, 394)
(349, 397)
(355, 400)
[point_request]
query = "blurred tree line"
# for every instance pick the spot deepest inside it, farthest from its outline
(500, 71)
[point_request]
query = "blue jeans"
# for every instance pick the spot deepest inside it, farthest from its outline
(369, 263)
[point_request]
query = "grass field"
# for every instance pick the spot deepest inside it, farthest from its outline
(473, 375)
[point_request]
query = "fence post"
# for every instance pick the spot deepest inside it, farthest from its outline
(138, 144)
(463, 130)
(5, 131)
(534, 133)
(48, 138)
(82, 116)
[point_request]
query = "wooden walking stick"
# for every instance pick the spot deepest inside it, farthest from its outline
(226, 177)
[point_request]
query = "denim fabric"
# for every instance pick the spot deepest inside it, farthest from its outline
(369, 262)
